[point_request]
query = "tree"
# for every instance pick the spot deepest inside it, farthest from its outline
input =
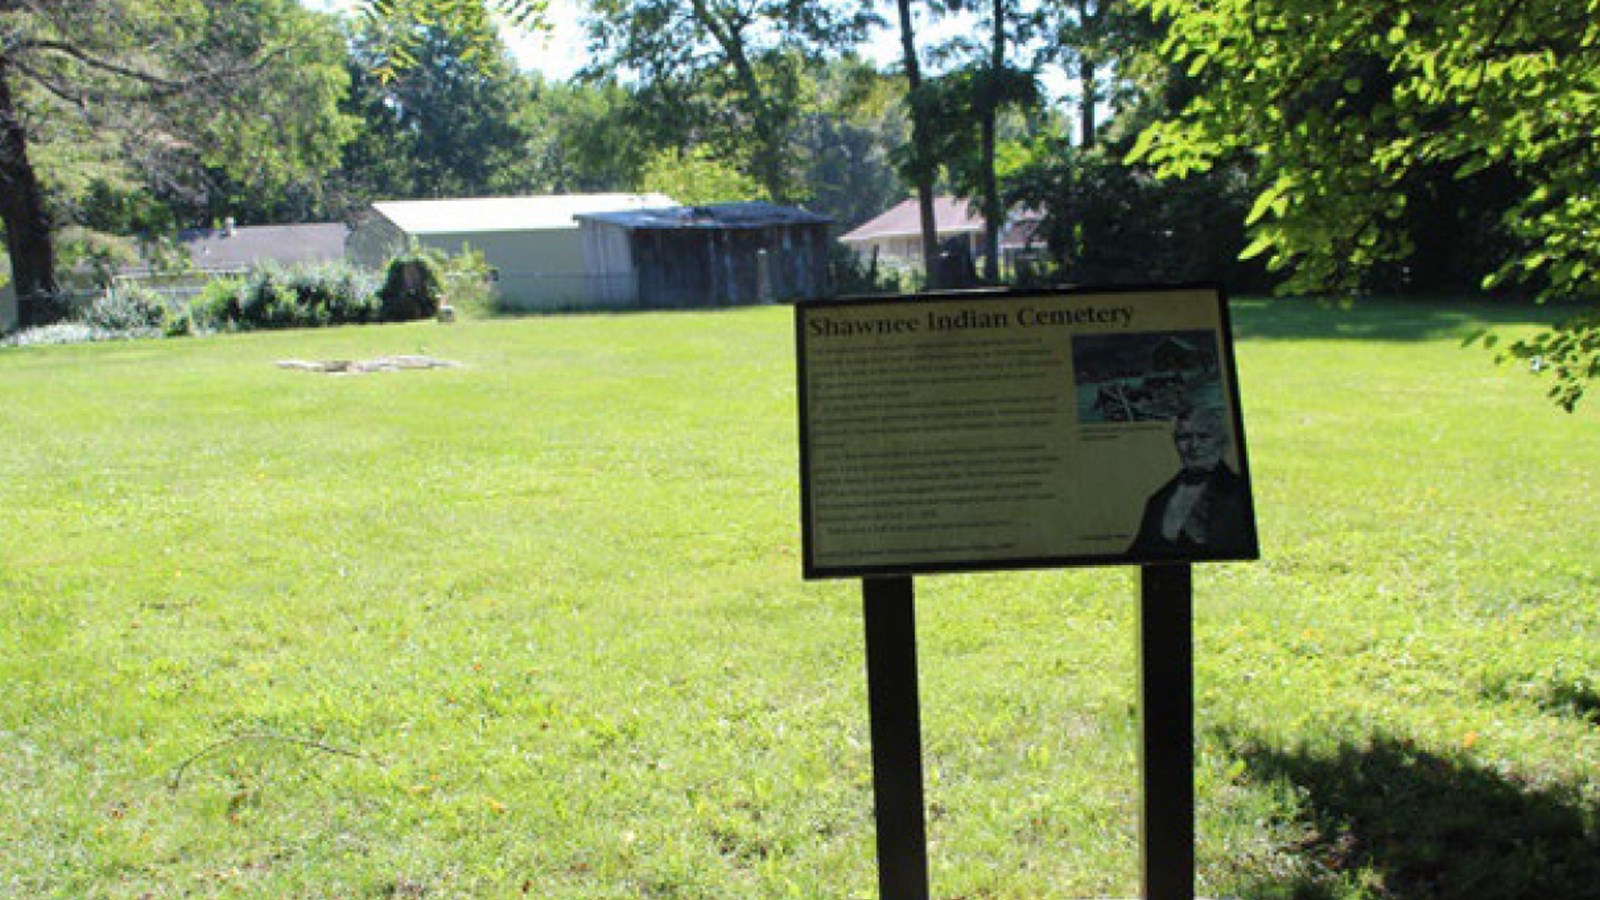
(957, 115)
(695, 178)
(1102, 42)
(1105, 220)
(846, 140)
(175, 87)
(445, 122)
(918, 162)
(1341, 103)
(997, 85)
(735, 65)
(403, 24)
(580, 137)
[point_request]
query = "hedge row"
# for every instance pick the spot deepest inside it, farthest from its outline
(317, 297)
(268, 297)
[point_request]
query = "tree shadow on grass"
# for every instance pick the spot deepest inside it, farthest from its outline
(1385, 318)
(1410, 824)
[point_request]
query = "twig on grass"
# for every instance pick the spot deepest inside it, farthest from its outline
(177, 773)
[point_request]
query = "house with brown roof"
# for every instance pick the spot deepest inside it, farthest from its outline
(896, 236)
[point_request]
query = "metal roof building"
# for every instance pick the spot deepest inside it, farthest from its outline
(532, 243)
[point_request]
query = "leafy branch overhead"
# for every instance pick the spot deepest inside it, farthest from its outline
(408, 20)
(1342, 104)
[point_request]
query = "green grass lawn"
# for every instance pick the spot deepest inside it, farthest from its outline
(535, 626)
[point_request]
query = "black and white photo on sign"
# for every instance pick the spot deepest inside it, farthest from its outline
(1144, 376)
(1204, 509)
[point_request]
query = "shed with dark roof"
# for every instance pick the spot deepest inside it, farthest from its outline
(726, 254)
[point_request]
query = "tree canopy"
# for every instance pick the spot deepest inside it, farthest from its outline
(136, 93)
(444, 122)
(731, 73)
(1342, 104)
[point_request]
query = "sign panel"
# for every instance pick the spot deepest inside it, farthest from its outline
(958, 432)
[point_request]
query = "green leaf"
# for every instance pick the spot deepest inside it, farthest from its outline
(1263, 203)
(1260, 245)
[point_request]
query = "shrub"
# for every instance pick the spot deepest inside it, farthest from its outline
(127, 308)
(218, 303)
(349, 295)
(467, 280)
(411, 290)
(55, 333)
(271, 297)
(115, 314)
(852, 275)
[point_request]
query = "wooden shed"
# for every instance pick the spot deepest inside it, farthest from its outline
(727, 254)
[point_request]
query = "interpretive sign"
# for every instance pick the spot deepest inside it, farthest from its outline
(956, 432)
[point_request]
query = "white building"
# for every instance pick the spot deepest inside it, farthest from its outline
(532, 243)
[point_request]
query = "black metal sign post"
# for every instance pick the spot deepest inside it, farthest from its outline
(896, 738)
(1166, 726)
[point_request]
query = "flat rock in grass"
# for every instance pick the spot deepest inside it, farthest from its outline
(361, 367)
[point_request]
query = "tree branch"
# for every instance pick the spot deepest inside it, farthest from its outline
(73, 97)
(159, 86)
(177, 773)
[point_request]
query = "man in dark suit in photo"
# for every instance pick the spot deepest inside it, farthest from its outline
(1203, 512)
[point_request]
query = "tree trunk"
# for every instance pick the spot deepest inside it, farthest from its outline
(1086, 123)
(1089, 24)
(28, 238)
(767, 160)
(993, 212)
(923, 168)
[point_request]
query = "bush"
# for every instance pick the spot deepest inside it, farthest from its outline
(127, 308)
(852, 275)
(271, 297)
(349, 296)
(218, 303)
(116, 314)
(411, 290)
(467, 280)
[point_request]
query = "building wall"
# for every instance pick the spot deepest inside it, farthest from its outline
(608, 258)
(901, 248)
(374, 242)
(535, 269)
(703, 267)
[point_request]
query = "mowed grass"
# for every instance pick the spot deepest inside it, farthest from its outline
(534, 626)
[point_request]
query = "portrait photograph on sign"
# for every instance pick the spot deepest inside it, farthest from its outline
(961, 432)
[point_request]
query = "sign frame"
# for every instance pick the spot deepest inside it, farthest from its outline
(1247, 548)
